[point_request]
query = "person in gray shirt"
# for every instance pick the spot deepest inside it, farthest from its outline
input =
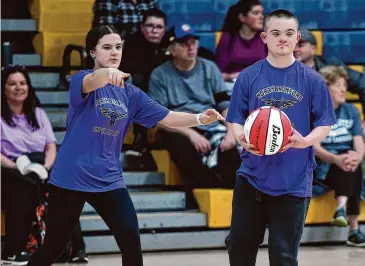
(207, 155)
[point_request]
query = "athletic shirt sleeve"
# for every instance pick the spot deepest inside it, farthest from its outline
(147, 112)
(76, 97)
(238, 109)
(356, 129)
(322, 111)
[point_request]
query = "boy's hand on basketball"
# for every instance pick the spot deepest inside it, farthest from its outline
(248, 147)
(228, 142)
(210, 116)
(296, 140)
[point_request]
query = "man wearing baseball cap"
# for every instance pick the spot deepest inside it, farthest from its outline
(206, 155)
(305, 52)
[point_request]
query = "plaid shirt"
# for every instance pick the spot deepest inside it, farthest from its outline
(121, 13)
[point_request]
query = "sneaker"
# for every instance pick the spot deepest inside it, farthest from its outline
(340, 218)
(79, 257)
(17, 259)
(356, 239)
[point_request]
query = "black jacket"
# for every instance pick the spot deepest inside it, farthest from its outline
(140, 58)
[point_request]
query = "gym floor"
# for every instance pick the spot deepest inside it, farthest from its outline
(308, 256)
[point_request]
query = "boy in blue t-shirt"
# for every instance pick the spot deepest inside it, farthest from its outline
(275, 190)
(87, 167)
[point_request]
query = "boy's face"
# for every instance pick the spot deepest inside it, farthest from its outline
(281, 35)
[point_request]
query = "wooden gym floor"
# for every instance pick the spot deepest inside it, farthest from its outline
(308, 256)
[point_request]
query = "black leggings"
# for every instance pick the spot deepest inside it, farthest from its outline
(346, 184)
(64, 209)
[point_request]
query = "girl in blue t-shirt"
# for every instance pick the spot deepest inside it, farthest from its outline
(87, 167)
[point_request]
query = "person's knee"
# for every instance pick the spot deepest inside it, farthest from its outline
(282, 254)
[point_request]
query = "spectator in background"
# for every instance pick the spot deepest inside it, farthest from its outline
(340, 156)
(305, 52)
(240, 45)
(124, 15)
(25, 130)
(207, 156)
(142, 53)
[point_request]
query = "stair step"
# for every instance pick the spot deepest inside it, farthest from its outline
(58, 117)
(27, 59)
(53, 97)
(208, 239)
(18, 25)
(151, 201)
(59, 136)
(161, 241)
(150, 221)
(44, 80)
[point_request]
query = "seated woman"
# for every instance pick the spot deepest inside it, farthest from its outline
(25, 130)
(340, 155)
(240, 45)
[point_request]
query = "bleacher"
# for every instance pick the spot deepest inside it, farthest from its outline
(164, 221)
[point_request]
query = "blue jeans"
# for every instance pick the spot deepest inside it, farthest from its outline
(252, 212)
(64, 209)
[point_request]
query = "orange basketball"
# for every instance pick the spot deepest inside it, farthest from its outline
(267, 129)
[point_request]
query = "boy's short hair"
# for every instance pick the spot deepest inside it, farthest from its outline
(154, 12)
(280, 13)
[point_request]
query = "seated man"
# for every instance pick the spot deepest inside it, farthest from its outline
(207, 156)
(142, 53)
(305, 52)
(340, 156)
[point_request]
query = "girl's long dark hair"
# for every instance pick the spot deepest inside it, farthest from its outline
(30, 103)
(92, 39)
(231, 22)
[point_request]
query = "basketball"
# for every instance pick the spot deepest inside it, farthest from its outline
(267, 129)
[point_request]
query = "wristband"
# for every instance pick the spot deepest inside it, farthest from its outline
(198, 119)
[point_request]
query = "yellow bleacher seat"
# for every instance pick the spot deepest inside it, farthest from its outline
(217, 204)
(52, 45)
(351, 96)
(62, 15)
(319, 38)
(321, 209)
(359, 68)
(165, 165)
(218, 36)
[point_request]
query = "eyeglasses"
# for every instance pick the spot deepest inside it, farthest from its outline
(16, 66)
(151, 27)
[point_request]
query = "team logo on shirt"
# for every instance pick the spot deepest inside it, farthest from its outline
(112, 109)
(282, 102)
(279, 103)
(112, 115)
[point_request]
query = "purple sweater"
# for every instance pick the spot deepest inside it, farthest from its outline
(236, 56)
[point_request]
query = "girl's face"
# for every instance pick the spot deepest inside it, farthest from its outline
(108, 51)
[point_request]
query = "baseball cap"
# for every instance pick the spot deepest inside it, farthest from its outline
(180, 33)
(307, 36)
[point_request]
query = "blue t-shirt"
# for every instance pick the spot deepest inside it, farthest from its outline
(347, 126)
(340, 138)
(88, 159)
(303, 95)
